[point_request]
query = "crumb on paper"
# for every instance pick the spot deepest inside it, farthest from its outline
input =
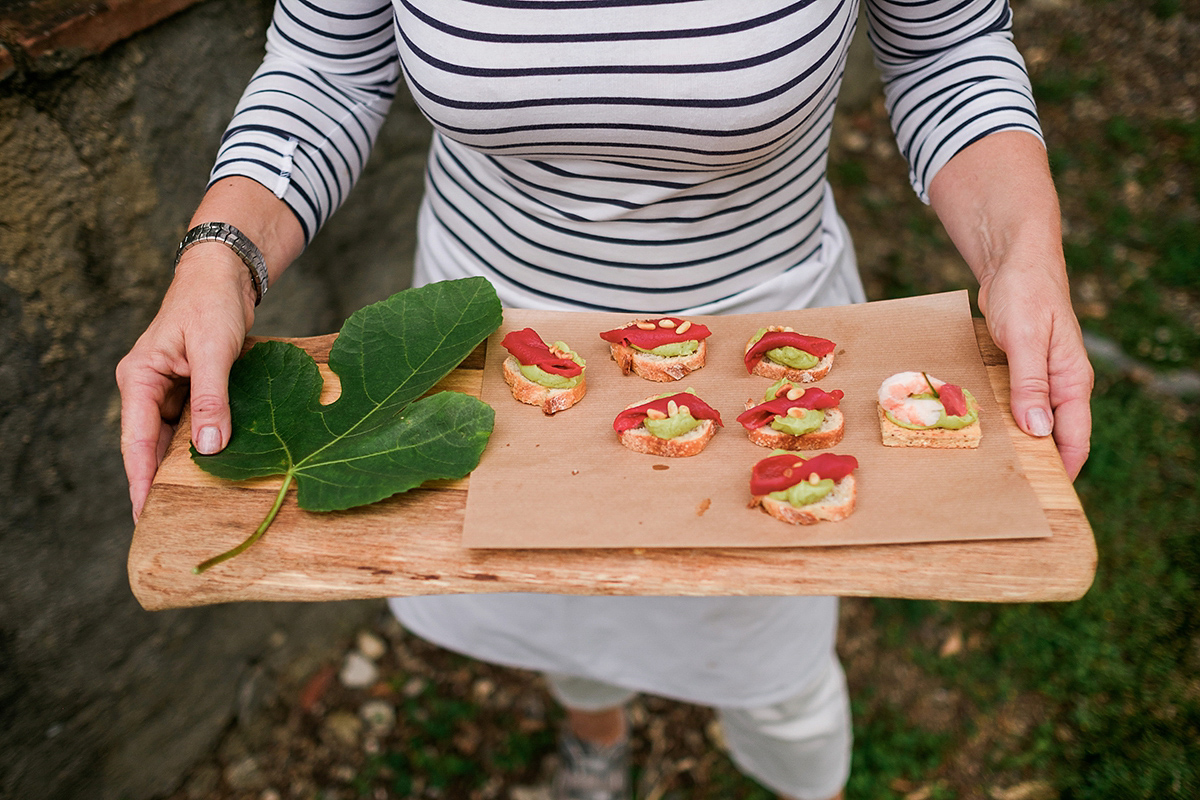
(574, 472)
(704, 504)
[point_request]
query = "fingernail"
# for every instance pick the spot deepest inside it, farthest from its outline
(209, 440)
(1039, 422)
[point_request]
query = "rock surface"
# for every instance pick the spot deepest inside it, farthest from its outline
(101, 166)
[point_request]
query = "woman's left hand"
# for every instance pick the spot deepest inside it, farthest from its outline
(997, 201)
(1030, 317)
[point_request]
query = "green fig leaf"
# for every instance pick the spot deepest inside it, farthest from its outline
(380, 437)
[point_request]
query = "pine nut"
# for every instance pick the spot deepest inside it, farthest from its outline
(654, 413)
(684, 410)
(795, 411)
(789, 330)
(794, 394)
(672, 408)
(814, 478)
(646, 326)
(666, 323)
(687, 323)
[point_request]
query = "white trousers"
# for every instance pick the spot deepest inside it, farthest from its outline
(799, 747)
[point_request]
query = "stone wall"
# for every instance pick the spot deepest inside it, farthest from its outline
(101, 164)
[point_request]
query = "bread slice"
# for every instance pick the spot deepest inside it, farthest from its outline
(898, 436)
(774, 370)
(833, 507)
(551, 400)
(830, 433)
(657, 368)
(640, 440)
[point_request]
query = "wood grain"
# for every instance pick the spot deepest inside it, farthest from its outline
(409, 544)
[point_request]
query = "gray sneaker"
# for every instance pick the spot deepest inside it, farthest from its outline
(590, 772)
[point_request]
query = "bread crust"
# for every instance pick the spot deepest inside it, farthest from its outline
(662, 369)
(640, 440)
(834, 507)
(894, 435)
(830, 433)
(550, 400)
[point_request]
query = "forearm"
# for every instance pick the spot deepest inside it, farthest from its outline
(997, 201)
(260, 216)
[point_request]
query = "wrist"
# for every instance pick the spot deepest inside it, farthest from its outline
(240, 244)
(210, 269)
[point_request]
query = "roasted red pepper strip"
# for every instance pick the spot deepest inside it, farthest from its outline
(632, 417)
(953, 399)
(776, 473)
(529, 349)
(631, 334)
(772, 339)
(812, 399)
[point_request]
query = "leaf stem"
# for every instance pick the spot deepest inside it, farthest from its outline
(254, 537)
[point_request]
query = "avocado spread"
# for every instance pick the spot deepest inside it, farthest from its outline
(674, 426)
(798, 426)
(672, 349)
(946, 420)
(549, 380)
(804, 493)
(671, 427)
(788, 356)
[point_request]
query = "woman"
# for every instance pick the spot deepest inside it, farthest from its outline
(643, 156)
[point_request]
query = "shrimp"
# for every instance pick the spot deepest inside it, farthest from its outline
(896, 397)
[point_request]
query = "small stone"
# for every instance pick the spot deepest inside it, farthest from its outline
(343, 728)
(413, 687)
(483, 689)
(270, 794)
(529, 793)
(371, 646)
(380, 717)
(855, 141)
(953, 645)
(716, 735)
(245, 775)
(358, 671)
(1028, 790)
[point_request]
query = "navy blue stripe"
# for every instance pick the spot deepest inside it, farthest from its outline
(606, 36)
(602, 262)
(220, 165)
(337, 37)
(651, 102)
(641, 128)
(949, 137)
(583, 234)
(601, 284)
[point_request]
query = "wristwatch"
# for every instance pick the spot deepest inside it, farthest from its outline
(238, 242)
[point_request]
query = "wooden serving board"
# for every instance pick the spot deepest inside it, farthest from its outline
(410, 544)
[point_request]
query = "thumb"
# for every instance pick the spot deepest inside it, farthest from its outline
(1030, 388)
(211, 423)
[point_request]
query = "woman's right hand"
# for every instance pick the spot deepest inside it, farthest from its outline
(188, 349)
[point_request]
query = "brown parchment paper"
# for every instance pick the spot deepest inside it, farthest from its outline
(565, 481)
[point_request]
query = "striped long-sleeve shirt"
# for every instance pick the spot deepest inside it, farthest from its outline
(646, 155)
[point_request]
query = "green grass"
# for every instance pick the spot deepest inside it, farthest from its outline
(1116, 669)
(889, 748)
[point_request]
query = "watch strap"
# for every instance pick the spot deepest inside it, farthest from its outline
(236, 241)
